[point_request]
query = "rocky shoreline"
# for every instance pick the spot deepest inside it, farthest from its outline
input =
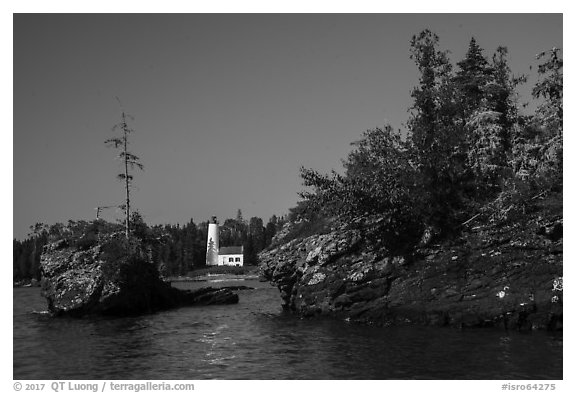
(492, 275)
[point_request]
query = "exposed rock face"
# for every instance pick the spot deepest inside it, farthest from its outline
(508, 276)
(93, 281)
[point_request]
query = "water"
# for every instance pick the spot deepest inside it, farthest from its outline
(255, 339)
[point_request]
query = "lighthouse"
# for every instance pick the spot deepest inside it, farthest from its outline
(212, 245)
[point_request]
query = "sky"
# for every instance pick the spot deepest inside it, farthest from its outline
(227, 107)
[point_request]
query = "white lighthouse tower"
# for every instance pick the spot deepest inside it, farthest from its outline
(212, 245)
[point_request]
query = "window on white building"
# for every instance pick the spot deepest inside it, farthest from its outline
(230, 259)
(237, 259)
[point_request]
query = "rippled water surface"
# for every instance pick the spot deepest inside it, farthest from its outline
(255, 339)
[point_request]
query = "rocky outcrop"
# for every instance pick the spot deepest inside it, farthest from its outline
(101, 280)
(492, 275)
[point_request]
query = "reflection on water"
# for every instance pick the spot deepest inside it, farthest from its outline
(255, 339)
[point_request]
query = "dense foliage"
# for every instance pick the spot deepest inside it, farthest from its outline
(174, 249)
(468, 149)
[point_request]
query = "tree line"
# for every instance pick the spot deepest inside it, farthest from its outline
(174, 249)
(467, 149)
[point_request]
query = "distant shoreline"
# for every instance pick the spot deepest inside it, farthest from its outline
(218, 274)
(227, 273)
(26, 283)
(215, 277)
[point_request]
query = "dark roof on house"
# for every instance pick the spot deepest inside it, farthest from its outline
(231, 250)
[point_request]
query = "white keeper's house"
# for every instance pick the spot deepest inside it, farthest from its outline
(231, 256)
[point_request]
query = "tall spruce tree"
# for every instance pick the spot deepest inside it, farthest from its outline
(435, 138)
(472, 77)
(129, 162)
(490, 112)
(433, 66)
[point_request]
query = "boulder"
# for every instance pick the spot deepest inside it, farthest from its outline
(104, 280)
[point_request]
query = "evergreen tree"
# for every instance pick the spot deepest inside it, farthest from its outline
(270, 230)
(239, 217)
(189, 245)
(538, 147)
(471, 79)
(550, 88)
(256, 233)
(490, 115)
(129, 161)
(201, 236)
(501, 93)
(437, 143)
(38, 237)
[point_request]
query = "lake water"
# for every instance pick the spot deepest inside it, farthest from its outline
(256, 339)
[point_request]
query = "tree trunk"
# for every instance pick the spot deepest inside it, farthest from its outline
(127, 179)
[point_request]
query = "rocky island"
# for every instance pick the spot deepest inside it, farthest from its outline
(101, 279)
(507, 276)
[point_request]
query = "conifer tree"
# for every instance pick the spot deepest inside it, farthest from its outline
(538, 148)
(550, 88)
(472, 77)
(490, 124)
(436, 141)
(434, 67)
(239, 217)
(129, 162)
(257, 234)
(501, 93)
